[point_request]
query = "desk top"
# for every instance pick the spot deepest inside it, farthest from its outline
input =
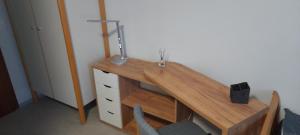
(133, 68)
(205, 96)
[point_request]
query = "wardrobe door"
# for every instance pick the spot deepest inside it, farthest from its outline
(53, 44)
(23, 23)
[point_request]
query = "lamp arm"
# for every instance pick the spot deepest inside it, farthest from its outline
(120, 32)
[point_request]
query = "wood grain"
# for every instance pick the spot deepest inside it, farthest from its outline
(104, 28)
(132, 129)
(132, 69)
(127, 86)
(268, 123)
(157, 105)
(71, 58)
(205, 96)
(34, 95)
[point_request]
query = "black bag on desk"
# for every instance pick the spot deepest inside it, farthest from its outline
(239, 93)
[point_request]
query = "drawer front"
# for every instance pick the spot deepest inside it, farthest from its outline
(109, 93)
(109, 105)
(110, 112)
(111, 118)
(108, 79)
(109, 98)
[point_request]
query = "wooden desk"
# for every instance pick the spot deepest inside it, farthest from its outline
(205, 96)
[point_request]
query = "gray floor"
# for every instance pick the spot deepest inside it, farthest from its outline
(48, 117)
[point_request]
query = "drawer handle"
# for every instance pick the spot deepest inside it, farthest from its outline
(109, 100)
(107, 86)
(111, 113)
(105, 72)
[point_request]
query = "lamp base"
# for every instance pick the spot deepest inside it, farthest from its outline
(117, 59)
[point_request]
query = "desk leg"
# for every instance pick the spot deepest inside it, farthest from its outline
(225, 132)
(245, 129)
(35, 97)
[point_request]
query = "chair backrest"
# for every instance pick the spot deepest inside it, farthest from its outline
(268, 123)
(143, 127)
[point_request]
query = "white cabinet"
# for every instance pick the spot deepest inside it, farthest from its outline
(108, 97)
(54, 49)
(41, 41)
(28, 41)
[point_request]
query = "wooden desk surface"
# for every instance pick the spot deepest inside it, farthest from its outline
(205, 96)
(133, 68)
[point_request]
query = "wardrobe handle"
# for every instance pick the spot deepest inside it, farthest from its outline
(107, 86)
(111, 112)
(38, 28)
(33, 27)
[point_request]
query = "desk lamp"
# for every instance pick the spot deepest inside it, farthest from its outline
(117, 59)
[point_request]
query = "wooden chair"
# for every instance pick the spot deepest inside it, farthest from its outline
(268, 123)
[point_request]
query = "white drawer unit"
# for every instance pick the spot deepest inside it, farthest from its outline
(108, 97)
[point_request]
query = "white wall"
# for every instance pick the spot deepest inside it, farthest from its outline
(86, 41)
(12, 58)
(257, 41)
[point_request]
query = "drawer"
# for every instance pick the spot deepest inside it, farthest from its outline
(110, 112)
(108, 105)
(111, 118)
(108, 98)
(109, 101)
(106, 92)
(109, 79)
(112, 106)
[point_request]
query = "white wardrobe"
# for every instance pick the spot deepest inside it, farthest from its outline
(40, 38)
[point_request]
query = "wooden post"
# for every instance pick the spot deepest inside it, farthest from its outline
(72, 62)
(104, 28)
(34, 95)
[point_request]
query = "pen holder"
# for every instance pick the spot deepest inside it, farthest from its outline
(239, 93)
